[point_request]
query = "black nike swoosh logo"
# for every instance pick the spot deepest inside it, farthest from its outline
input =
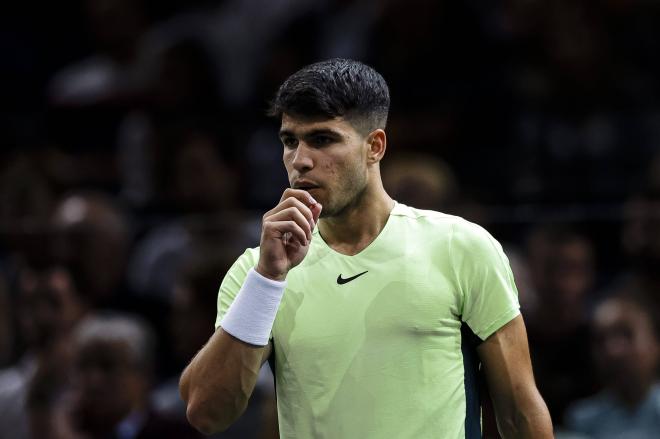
(341, 281)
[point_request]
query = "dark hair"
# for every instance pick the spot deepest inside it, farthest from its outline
(335, 88)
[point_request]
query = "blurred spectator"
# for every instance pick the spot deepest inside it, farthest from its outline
(111, 376)
(181, 108)
(626, 348)
(116, 27)
(562, 270)
(48, 305)
(422, 181)
(192, 321)
(25, 195)
(240, 52)
(148, 116)
(87, 98)
(92, 237)
(641, 242)
(26, 200)
(201, 178)
(199, 185)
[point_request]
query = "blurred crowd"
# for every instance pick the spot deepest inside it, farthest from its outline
(136, 161)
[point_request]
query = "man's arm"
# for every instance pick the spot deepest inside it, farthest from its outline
(218, 382)
(519, 408)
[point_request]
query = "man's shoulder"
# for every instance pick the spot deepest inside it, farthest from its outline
(460, 228)
(426, 216)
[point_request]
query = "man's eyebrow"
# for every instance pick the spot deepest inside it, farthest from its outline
(286, 133)
(311, 133)
(323, 132)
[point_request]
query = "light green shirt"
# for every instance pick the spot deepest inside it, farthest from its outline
(381, 356)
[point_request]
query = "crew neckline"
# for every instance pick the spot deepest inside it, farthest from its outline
(372, 244)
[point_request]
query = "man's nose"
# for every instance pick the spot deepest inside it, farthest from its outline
(302, 159)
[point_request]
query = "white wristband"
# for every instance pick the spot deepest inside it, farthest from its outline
(251, 316)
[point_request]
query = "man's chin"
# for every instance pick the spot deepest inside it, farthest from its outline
(327, 212)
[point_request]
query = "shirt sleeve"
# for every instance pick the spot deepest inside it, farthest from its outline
(233, 280)
(484, 279)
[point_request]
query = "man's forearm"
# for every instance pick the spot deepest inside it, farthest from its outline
(533, 422)
(218, 382)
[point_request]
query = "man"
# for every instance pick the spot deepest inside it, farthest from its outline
(366, 307)
(49, 305)
(626, 349)
(563, 274)
(111, 372)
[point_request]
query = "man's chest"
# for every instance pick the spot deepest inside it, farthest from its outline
(342, 310)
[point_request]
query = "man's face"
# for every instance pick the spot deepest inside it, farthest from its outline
(625, 348)
(569, 271)
(327, 158)
(49, 306)
(107, 385)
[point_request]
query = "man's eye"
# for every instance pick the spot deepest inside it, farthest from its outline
(322, 140)
(289, 142)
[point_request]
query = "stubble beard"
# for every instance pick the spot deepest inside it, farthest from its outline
(354, 191)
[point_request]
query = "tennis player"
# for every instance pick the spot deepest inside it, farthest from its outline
(375, 316)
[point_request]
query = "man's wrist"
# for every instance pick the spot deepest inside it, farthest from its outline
(267, 275)
(251, 315)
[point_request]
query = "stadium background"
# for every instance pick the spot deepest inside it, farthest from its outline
(136, 157)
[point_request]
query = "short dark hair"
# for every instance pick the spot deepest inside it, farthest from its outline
(335, 88)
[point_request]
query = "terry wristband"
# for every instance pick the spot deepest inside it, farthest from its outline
(251, 316)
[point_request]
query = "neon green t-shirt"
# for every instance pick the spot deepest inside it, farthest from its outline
(375, 345)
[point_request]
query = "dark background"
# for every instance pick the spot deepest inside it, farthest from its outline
(538, 120)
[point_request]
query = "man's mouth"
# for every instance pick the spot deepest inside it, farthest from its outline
(304, 185)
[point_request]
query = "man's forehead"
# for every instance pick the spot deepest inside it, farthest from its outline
(301, 125)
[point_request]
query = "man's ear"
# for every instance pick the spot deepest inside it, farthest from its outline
(377, 142)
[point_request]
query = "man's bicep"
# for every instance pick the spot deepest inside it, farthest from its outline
(506, 363)
(519, 408)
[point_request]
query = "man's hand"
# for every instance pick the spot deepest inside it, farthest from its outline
(286, 233)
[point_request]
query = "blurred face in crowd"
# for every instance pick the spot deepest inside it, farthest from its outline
(405, 174)
(328, 159)
(570, 270)
(202, 179)
(107, 385)
(641, 233)
(563, 272)
(49, 305)
(625, 346)
(92, 235)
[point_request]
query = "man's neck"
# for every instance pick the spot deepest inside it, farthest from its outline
(355, 228)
